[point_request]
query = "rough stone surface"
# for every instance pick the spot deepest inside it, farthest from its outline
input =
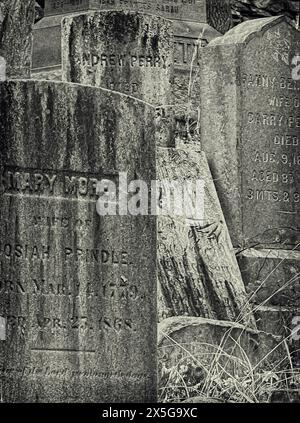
(78, 290)
(16, 46)
(122, 51)
(250, 130)
(198, 273)
(187, 339)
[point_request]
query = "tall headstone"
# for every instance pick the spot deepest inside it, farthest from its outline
(16, 46)
(121, 51)
(192, 19)
(215, 12)
(78, 290)
(250, 125)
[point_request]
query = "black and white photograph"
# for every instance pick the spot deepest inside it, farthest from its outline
(149, 204)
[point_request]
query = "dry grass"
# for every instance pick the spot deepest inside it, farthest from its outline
(229, 377)
(224, 376)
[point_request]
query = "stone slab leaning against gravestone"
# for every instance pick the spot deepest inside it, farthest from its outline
(198, 274)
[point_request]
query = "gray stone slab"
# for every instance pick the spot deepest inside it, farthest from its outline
(78, 291)
(195, 342)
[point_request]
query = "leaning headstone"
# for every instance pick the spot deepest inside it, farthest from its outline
(78, 290)
(250, 120)
(250, 110)
(198, 273)
(16, 45)
(121, 51)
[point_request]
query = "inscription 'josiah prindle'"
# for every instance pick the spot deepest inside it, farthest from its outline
(28, 251)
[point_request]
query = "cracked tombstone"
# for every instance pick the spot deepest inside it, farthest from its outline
(251, 111)
(78, 290)
(198, 274)
(16, 46)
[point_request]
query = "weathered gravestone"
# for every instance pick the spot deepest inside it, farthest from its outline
(198, 356)
(121, 51)
(192, 19)
(78, 291)
(198, 274)
(16, 46)
(250, 126)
